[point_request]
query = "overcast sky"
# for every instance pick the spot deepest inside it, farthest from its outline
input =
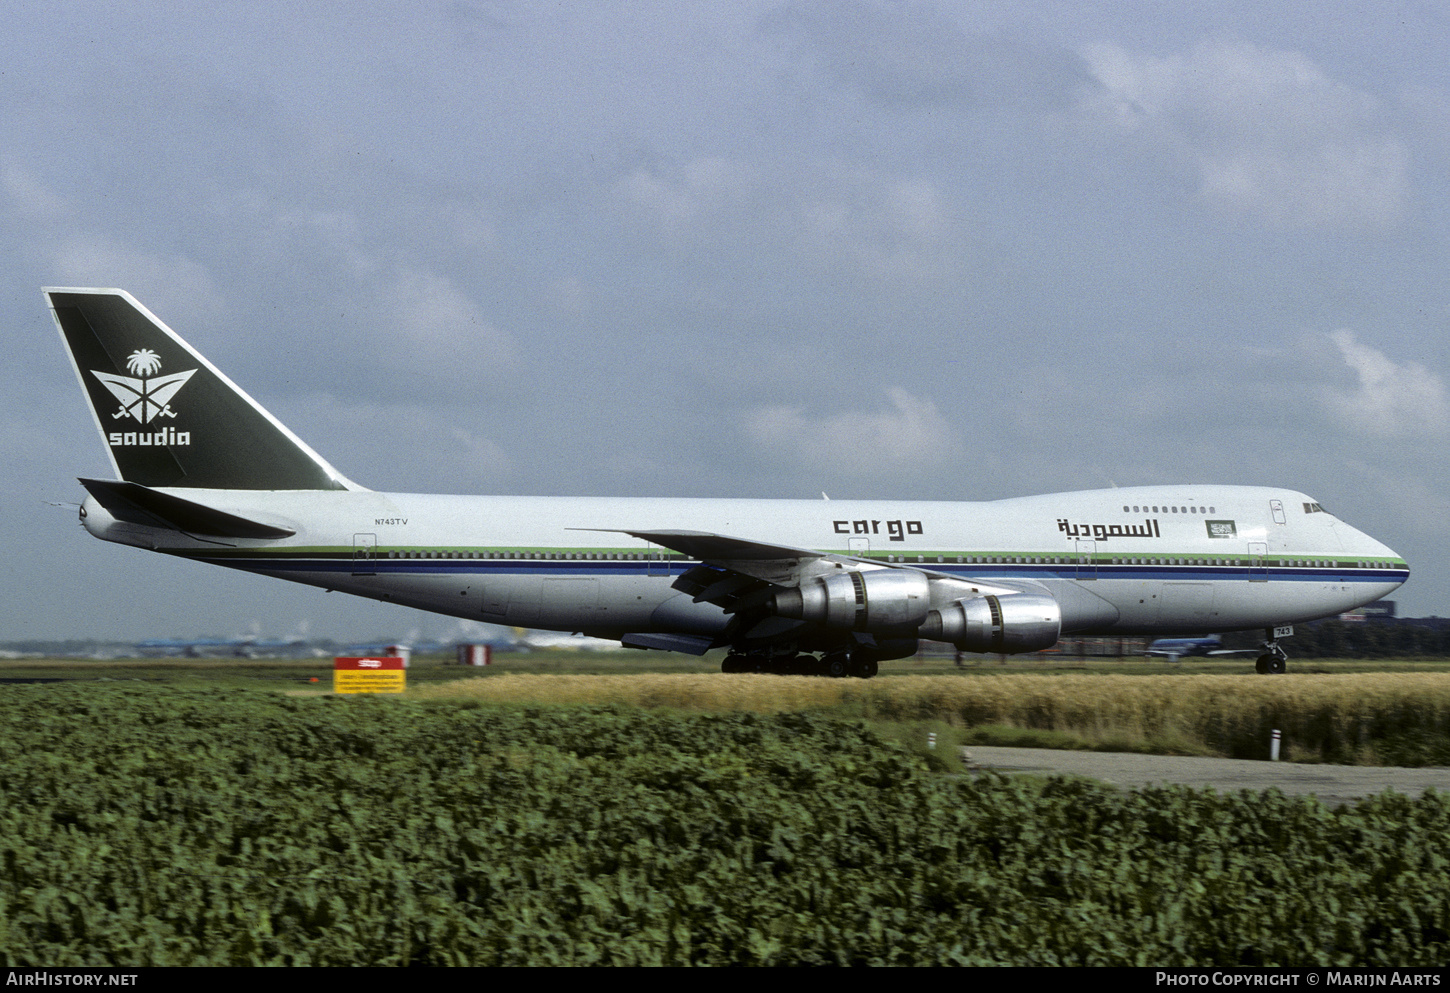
(927, 250)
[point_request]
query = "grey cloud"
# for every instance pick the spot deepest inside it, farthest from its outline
(904, 433)
(914, 55)
(611, 248)
(1389, 398)
(1267, 131)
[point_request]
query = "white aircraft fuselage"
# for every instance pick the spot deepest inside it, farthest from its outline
(206, 474)
(533, 562)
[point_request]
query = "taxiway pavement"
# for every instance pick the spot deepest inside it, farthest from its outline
(1332, 784)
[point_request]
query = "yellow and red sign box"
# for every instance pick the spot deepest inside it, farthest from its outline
(373, 674)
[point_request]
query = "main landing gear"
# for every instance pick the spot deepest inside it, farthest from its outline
(1273, 662)
(834, 664)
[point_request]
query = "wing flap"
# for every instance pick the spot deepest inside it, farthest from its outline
(732, 591)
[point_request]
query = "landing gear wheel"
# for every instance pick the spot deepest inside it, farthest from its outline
(863, 668)
(1274, 660)
(836, 666)
(1271, 665)
(734, 664)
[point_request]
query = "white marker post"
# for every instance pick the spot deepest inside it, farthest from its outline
(1274, 746)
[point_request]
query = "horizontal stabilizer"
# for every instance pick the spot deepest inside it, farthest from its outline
(137, 504)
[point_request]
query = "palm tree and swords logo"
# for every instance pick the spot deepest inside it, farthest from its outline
(148, 397)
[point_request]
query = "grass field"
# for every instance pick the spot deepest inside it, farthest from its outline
(602, 810)
(1389, 712)
(155, 824)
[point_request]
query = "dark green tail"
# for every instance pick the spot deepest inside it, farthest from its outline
(167, 415)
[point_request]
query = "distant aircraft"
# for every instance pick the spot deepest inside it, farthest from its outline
(246, 647)
(832, 587)
(1176, 648)
(190, 648)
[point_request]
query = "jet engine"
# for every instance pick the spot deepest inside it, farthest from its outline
(876, 600)
(1022, 622)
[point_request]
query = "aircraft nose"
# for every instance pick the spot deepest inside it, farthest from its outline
(1387, 569)
(1387, 552)
(1397, 562)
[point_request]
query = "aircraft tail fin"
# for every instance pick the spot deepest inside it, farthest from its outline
(169, 417)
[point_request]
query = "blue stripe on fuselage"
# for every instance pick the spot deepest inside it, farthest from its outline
(1002, 571)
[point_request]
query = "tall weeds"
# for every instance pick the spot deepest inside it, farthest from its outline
(1359, 718)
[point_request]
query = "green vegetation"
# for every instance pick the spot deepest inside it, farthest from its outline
(1390, 712)
(161, 825)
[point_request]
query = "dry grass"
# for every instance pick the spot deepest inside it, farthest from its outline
(705, 691)
(1075, 700)
(1333, 717)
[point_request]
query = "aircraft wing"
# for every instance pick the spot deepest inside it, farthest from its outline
(735, 573)
(739, 573)
(706, 547)
(781, 565)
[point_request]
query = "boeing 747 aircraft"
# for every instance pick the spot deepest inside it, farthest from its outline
(828, 587)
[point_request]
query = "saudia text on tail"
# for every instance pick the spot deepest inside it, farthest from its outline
(145, 398)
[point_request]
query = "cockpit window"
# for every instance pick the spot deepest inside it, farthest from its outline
(1314, 508)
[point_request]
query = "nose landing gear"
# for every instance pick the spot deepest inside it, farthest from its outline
(1274, 661)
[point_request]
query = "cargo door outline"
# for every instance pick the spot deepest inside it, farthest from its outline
(1087, 566)
(525, 593)
(1191, 599)
(1258, 571)
(570, 602)
(364, 552)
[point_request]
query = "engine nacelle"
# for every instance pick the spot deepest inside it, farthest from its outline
(1020, 622)
(876, 600)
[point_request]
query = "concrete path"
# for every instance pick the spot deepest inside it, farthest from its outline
(1333, 784)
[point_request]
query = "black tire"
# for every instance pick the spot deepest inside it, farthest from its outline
(836, 666)
(864, 668)
(1271, 665)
